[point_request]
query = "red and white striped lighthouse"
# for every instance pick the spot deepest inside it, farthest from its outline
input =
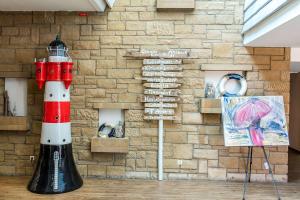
(56, 170)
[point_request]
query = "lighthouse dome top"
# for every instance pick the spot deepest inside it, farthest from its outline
(57, 43)
(58, 51)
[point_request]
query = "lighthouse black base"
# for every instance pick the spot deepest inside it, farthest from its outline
(55, 171)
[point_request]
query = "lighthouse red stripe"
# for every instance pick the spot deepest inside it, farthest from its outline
(53, 71)
(56, 112)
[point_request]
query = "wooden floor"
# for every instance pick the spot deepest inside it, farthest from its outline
(15, 188)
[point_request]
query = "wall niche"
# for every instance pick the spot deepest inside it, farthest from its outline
(109, 139)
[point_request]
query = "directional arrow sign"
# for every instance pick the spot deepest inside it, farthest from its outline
(160, 80)
(154, 117)
(154, 111)
(163, 74)
(162, 85)
(162, 62)
(153, 99)
(164, 92)
(161, 105)
(162, 68)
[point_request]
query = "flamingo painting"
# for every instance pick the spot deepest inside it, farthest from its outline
(254, 121)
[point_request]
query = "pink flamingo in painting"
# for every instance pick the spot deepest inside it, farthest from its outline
(248, 115)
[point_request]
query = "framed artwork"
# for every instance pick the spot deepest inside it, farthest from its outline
(254, 121)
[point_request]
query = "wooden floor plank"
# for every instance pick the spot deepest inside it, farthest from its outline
(14, 188)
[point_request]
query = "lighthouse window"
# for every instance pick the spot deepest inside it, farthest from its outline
(64, 95)
(64, 140)
(51, 95)
(48, 141)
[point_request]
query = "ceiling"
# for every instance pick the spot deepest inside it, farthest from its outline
(53, 5)
(286, 35)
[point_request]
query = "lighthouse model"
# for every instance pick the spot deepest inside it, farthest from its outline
(56, 170)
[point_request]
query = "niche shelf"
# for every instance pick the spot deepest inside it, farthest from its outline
(109, 145)
(8, 123)
(210, 106)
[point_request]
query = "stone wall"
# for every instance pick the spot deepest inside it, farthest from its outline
(103, 77)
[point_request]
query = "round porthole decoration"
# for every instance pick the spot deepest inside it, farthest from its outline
(226, 78)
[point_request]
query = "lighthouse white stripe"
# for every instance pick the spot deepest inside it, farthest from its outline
(56, 91)
(56, 133)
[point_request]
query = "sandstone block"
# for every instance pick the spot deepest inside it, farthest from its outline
(135, 25)
(106, 83)
(114, 16)
(281, 169)
(189, 164)
(134, 115)
(16, 139)
(96, 170)
(116, 25)
(86, 45)
(160, 28)
(129, 16)
(97, 19)
(115, 171)
(7, 56)
(216, 140)
(206, 153)
(224, 19)
(223, 50)
(202, 166)
(142, 40)
(24, 149)
(10, 30)
(183, 151)
(200, 19)
(176, 137)
(87, 114)
(25, 56)
(210, 130)
(269, 75)
(278, 158)
(170, 163)
(7, 170)
(111, 40)
(70, 32)
(192, 118)
(87, 67)
(217, 173)
(120, 73)
(229, 162)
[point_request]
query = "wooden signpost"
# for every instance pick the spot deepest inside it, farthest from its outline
(162, 75)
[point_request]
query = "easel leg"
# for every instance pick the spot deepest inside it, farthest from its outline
(246, 172)
(271, 173)
(251, 156)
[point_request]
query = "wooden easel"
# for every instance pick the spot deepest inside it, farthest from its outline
(249, 169)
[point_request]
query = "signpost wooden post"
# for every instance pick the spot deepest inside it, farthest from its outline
(162, 76)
